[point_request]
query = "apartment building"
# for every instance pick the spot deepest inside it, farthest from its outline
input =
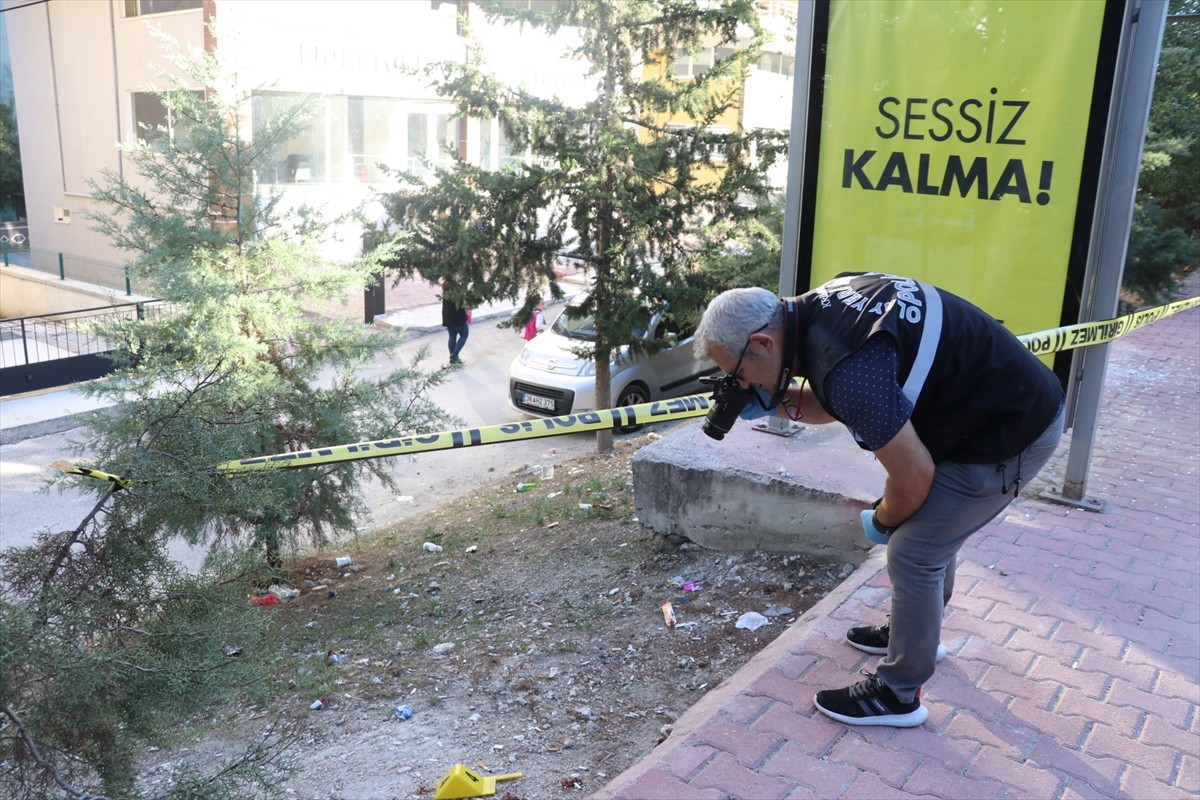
(83, 71)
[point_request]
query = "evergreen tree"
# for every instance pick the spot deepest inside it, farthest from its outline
(1163, 243)
(11, 183)
(231, 365)
(615, 183)
(1159, 255)
(105, 639)
(751, 256)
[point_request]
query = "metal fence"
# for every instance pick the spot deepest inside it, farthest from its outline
(46, 337)
(101, 273)
(50, 350)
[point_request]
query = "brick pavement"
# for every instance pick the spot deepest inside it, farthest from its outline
(409, 294)
(1074, 638)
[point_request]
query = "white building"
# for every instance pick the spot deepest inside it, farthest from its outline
(82, 68)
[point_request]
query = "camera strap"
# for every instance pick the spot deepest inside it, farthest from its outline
(789, 353)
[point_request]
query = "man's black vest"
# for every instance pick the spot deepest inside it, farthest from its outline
(979, 396)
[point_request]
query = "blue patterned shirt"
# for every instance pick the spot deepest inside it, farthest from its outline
(864, 392)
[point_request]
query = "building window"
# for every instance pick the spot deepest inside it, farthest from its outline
(486, 161)
(430, 137)
(777, 62)
(540, 6)
(349, 137)
(446, 128)
(153, 120)
(142, 8)
(511, 154)
(416, 143)
(716, 154)
(693, 65)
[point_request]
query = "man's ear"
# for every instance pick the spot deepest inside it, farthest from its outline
(764, 340)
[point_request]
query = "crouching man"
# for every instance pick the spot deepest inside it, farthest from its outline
(956, 409)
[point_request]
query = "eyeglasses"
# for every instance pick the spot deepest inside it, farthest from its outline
(736, 367)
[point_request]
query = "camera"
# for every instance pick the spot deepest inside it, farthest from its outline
(729, 399)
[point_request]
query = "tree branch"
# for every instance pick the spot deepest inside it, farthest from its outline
(65, 550)
(35, 754)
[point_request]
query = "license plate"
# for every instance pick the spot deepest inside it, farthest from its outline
(536, 401)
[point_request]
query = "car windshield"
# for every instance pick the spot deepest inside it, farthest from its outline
(583, 328)
(575, 328)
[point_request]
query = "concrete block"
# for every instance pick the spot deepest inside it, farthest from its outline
(759, 491)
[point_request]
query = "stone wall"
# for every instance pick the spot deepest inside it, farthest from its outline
(759, 491)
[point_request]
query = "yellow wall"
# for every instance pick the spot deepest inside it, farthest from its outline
(731, 118)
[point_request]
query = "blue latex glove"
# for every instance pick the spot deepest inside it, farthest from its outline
(754, 409)
(873, 534)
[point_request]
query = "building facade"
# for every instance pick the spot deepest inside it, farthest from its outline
(84, 70)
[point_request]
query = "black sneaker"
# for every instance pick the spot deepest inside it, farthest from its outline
(874, 639)
(870, 702)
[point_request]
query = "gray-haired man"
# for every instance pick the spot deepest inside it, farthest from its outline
(956, 409)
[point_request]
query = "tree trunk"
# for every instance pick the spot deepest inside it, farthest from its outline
(604, 276)
(604, 438)
(270, 540)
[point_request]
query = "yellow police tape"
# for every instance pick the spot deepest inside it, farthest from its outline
(626, 416)
(696, 405)
(116, 480)
(1084, 334)
(1067, 337)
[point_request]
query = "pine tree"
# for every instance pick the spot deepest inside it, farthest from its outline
(1163, 243)
(105, 638)
(612, 182)
(232, 365)
(11, 183)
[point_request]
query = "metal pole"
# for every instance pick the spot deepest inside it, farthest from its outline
(790, 255)
(1133, 87)
(62, 268)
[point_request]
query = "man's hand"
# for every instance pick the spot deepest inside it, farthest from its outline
(873, 534)
(910, 471)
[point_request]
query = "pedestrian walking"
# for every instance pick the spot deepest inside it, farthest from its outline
(537, 321)
(456, 318)
(959, 413)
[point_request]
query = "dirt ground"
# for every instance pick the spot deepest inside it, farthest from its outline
(534, 641)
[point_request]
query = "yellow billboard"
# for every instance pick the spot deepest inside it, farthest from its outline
(952, 146)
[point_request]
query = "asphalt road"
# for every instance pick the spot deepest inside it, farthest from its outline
(477, 394)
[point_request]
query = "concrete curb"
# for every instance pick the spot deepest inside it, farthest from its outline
(48, 427)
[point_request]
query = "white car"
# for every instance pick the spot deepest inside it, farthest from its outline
(548, 379)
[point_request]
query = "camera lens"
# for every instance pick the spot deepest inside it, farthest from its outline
(713, 429)
(728, 401)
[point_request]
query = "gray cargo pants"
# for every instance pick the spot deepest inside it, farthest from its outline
(922, 552)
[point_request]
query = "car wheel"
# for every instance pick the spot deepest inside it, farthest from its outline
(633, 394)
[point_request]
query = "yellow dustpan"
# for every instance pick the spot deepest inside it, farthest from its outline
(461, 782)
